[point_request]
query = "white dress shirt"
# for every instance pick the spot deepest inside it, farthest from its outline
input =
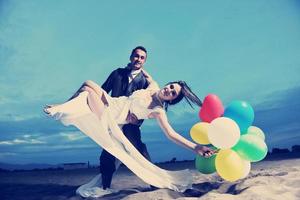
(133, 74)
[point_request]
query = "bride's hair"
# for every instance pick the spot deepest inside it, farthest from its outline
(186, 93)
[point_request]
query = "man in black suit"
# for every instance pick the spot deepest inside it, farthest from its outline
(123, 82)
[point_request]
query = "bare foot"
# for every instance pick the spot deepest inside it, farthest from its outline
(47, 111)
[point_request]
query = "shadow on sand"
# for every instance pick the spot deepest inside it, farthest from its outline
(54, 191)
(201, 189)
(37, 191)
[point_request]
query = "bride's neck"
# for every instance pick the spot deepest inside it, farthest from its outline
(157, 99)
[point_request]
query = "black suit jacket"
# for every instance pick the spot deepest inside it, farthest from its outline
(117, 84)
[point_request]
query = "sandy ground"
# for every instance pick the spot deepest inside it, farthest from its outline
(275, 179)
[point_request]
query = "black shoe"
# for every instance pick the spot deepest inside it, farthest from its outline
(153, 188)
(106, 180)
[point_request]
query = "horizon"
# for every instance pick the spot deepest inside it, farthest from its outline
(47, 166)
(236, 50)
(270, 151)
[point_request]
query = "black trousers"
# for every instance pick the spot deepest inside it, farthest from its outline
(107, 161)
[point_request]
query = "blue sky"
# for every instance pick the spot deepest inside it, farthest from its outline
(239, 50)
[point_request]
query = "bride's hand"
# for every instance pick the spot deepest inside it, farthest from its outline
(146, 74)
(148, 77)
(204, 151)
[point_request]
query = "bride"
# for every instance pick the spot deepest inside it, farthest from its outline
(100, 117)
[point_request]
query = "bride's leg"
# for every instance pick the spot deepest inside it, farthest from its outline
(72, 97)
(92, 88)
(88, 83)
(96, 100)
(77, 92)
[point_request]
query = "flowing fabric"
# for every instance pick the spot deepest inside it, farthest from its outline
(107, 133)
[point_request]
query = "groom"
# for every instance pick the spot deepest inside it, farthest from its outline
(123, 82)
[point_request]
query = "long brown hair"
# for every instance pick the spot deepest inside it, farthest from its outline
(186, 93)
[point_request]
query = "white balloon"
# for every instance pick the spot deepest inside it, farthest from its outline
(247, 168)
(223, 133)
(256, 131)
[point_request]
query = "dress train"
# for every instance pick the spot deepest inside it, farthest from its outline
(107, 134)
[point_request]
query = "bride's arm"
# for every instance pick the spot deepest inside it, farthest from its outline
(177, 138)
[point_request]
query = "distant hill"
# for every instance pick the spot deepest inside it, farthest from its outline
(30, 166)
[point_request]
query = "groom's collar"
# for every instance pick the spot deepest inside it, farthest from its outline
(132, 72)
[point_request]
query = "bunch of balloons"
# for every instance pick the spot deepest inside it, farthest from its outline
(230, 131)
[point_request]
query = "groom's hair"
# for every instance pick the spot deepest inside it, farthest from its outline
(138, 47)
(186, 93)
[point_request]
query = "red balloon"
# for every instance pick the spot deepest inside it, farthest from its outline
(212, 108)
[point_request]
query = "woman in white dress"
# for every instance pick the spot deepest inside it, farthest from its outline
(100, 116)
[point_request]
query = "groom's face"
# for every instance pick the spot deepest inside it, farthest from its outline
(137, 59)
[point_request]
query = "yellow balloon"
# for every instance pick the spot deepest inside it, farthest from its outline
(199, 133)
(229, 165)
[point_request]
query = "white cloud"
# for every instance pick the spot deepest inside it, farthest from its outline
(73, 136)
(21, 141)
(17, 118)
(26, 136)
(60, 147)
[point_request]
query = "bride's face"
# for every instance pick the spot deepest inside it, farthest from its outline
(170, 92)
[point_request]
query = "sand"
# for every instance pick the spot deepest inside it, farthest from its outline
(277, 179)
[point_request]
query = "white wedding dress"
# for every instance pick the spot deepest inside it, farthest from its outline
(108, 134)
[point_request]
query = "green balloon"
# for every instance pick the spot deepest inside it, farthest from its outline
(251, 147)
(205, 165)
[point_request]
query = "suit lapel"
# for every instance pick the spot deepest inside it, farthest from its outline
(133, 85)
(137, 78)
(124, 81)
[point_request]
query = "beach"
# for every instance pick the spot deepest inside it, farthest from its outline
(270, 179)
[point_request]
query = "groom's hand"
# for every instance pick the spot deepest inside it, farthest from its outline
(132, 118)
